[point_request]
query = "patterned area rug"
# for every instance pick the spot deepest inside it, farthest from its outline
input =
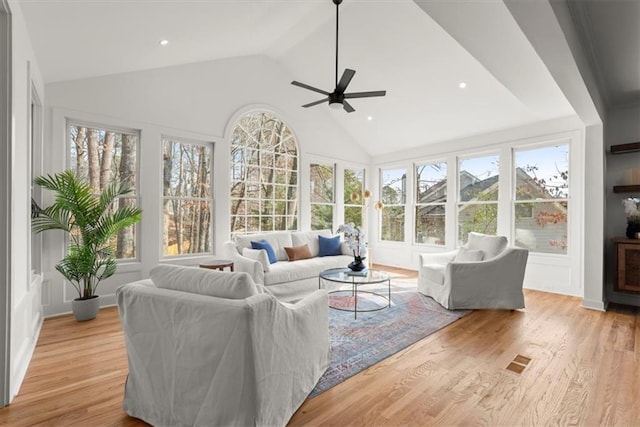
(356, 344)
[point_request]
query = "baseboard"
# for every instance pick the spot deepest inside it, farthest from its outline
(594, 305)
(24, 356)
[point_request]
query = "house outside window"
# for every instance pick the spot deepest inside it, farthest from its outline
(393, 195)
(322, 188)
(478, 183)
(264, 175)
(541, 199)
(101, 155)
(187, 201)
(353, 196)
(430, 207)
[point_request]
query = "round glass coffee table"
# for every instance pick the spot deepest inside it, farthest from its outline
(356, 280)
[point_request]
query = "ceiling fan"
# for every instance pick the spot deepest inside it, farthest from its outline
(338, 98)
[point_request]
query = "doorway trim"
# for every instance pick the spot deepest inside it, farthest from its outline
(5, 201)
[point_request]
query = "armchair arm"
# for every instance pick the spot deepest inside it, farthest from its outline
(437, 257)
(242, 263)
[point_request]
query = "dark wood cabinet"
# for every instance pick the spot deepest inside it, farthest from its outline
(627, 265)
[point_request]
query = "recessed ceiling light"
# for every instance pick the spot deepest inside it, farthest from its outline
(164, 42)
(462, 85)
(369, 118)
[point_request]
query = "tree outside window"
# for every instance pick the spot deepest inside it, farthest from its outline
(264, 175)
(187, 198)
(353, 196)
(101, 155)
(431, 198)
(322, 180)
(393, 195)
(541, 198)
(478, 181)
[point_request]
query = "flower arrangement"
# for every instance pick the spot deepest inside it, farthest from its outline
(355, 240)
(631, 209)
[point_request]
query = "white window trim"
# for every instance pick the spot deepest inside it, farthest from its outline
(211, 200)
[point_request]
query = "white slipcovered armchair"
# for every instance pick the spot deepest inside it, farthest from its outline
(484, 273)
(211, 348)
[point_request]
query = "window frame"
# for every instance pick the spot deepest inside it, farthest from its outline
(333, 203)
(459, 203)
(105, 125)
(233, 165)
(210, 200)
(386, 206)
(567, 200)
(361, 202)
(417, 205)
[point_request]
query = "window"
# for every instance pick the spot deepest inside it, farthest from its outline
(353, 196)
(187, 199)
(102, 155)
(431, 197)
(541, 198)
(264, 175)
(322, 196)
(478, 181)
(393, 195)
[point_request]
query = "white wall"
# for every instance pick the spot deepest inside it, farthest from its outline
(547, 272)
(623, 126)
(198, 101)
(26, 308)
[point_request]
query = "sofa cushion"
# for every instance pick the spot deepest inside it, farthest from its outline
(329, 246)
(490, 245)
(309, 238)
(277, 239)
(296, 253)
(265, 246)
(283, 272)
(203, 281)
(259, 255)
(466, 255)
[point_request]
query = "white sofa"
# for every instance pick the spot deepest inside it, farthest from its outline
(484, 273)
(287, 280)
(211, 348)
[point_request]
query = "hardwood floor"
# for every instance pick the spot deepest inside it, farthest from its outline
(584, 370)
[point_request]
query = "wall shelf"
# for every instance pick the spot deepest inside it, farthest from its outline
(625, 148)
(626, 189)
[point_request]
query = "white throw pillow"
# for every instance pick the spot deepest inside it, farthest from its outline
(259, 255)
(277, 239)
(466, 255)
(490, 245)
(221, 284)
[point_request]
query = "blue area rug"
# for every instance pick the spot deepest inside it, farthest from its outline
(356, 344)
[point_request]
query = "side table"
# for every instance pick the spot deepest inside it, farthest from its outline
(217, 264)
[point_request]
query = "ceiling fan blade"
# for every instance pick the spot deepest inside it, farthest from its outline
(347, 107)
(311, 104)
(345, 80)
(295, 83)
(365, 94)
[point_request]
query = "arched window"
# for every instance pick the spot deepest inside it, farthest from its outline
(264, 175)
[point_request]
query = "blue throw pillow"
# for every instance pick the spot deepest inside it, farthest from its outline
(329, 246)
(263, 244)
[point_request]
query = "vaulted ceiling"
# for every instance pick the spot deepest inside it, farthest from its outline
(419, 51)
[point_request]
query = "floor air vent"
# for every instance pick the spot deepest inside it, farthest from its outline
(518, 364)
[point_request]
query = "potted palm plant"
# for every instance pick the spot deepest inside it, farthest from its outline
(90, 222)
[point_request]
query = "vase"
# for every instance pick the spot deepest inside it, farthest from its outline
(357, 265)
(632, 229)
(85, 309)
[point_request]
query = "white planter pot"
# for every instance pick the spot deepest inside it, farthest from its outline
(85, 309)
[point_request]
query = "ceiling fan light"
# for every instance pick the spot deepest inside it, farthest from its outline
(335, 105)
